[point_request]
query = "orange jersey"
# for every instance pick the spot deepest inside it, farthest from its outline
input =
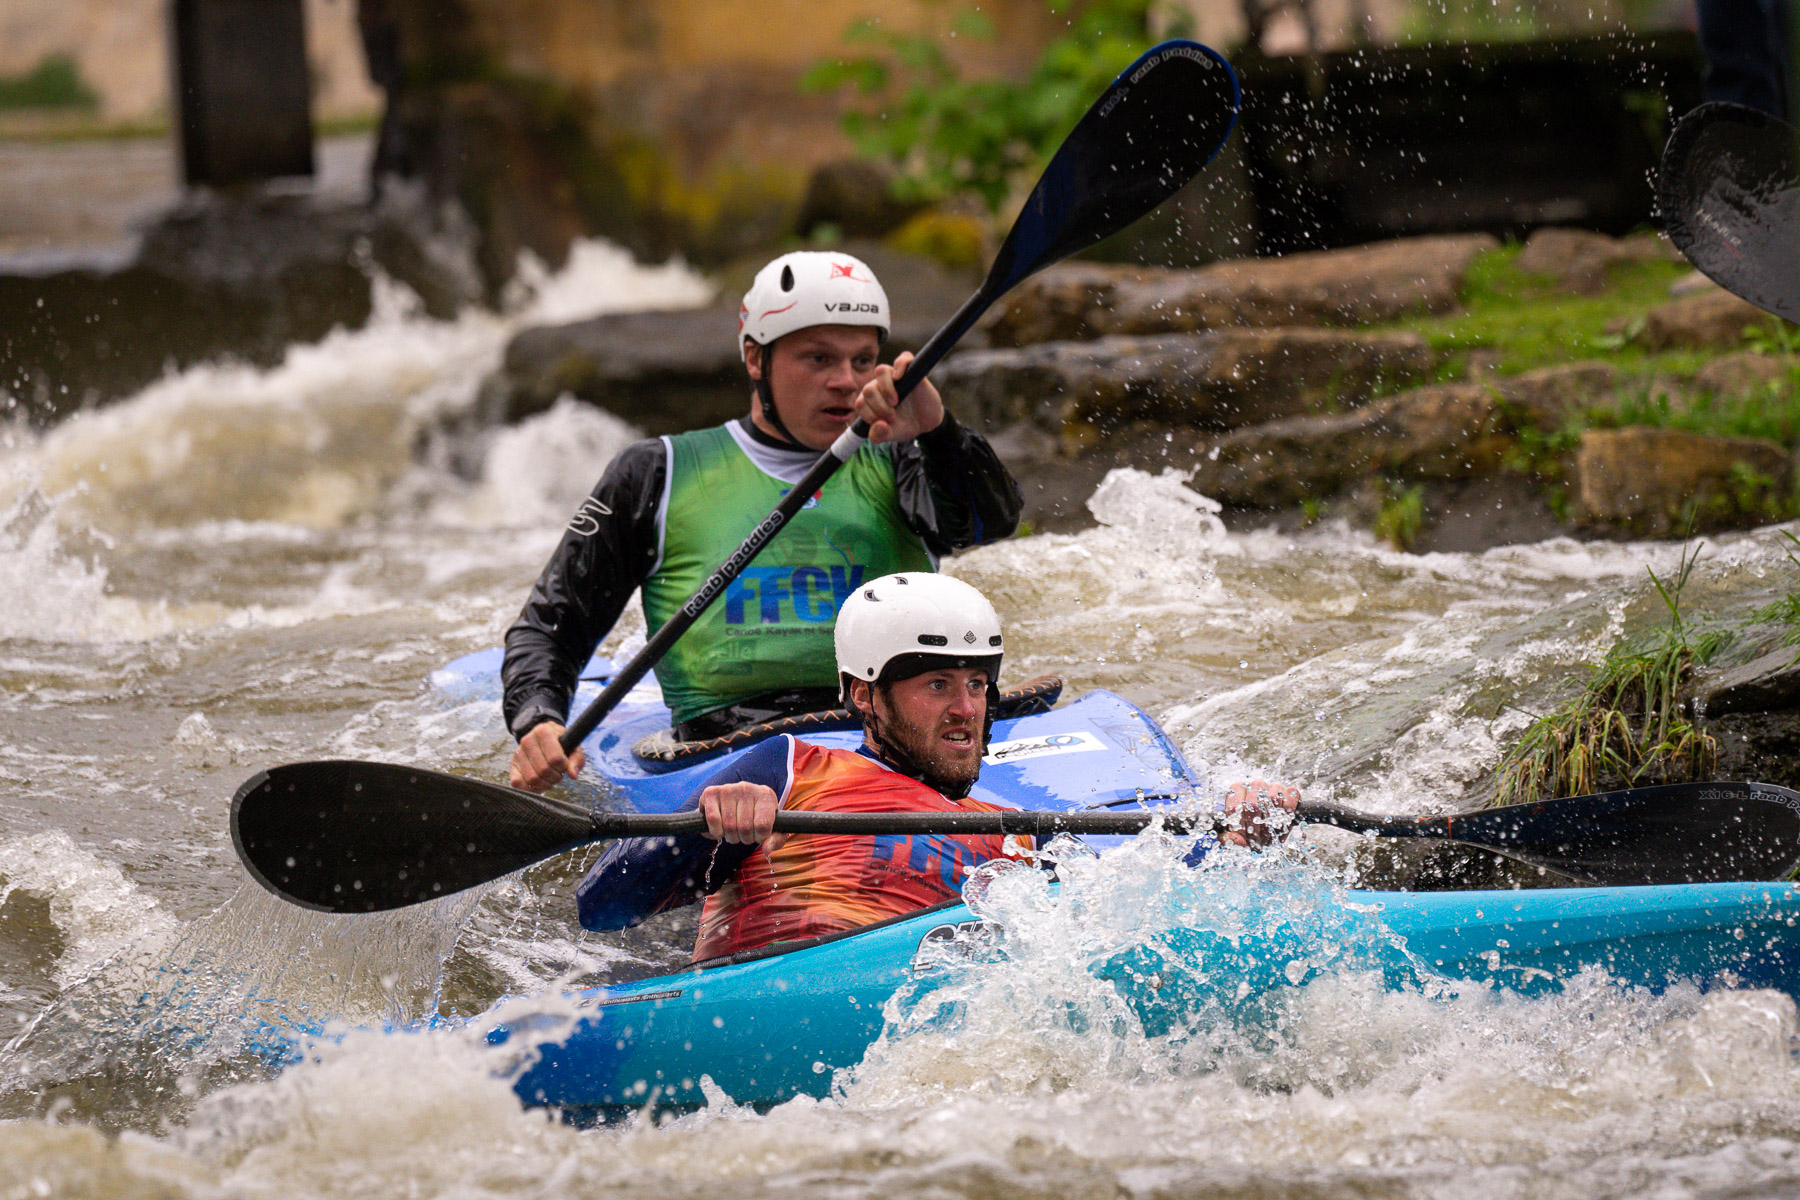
(827, 883)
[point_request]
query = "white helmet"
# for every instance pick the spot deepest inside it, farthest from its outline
(811, 287)
(901, 625)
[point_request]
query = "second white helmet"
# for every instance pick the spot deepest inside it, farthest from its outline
(901, 625)
(807, 288)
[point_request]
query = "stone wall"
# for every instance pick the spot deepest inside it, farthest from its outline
(678, 126)
(121, 49)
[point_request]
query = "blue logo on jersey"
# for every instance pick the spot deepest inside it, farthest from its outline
(812, 594)
(927, 854)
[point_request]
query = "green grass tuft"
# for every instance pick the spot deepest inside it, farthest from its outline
(1629, 726)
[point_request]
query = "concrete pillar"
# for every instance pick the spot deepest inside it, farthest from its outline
(243, 94)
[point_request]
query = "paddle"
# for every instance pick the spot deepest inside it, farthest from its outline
(1150, 132)
(1730, 198)
(352, 837)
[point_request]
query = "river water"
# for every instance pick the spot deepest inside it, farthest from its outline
(237, 568)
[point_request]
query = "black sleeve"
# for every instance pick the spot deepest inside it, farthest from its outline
(606, 552)
(953, 489)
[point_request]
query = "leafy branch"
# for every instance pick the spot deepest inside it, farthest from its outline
(946, 134)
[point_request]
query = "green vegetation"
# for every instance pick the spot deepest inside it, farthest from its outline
(53, 83)
(1521, 323)
(1402, 515)
(1529, 323)
(1770, 411)
(1630, 724)
(1785, 611)
(946, 134)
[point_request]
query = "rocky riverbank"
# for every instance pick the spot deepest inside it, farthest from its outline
(1449, 392)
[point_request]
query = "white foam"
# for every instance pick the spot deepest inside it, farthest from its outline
(537, 472)
(319, 439)
(603, 278)
(97, 909)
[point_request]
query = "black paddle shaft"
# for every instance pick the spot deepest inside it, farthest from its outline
(365, 837)
(344, 836)
(1150, 132)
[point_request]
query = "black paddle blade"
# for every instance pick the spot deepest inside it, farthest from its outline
(1162, 119)
(1676, 833)
(1730, 199)
(352, 837)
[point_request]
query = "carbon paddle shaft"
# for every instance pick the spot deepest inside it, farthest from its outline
(345, 836)
(849, 824)
(1671, 833)
(1151, 131)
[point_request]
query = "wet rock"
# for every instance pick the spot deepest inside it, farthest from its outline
(1742, 374)
(1580, 260)
(661, 371)
(1546, 398)
(1451, 432)
(1710, 317)
(1764, 684)
(1763, 746)
(1690, 283)
(240, 277)
(854, 195)
(1667, 392)
(1752, 710)
(1220, 380)
(1661, 482)
(1358, 285)
(1066, 302)
(1354, 286)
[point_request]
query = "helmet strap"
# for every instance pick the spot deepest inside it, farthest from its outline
(903, 761)
(765, 394)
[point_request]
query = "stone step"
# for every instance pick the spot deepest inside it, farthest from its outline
(1358, 285)
(1445, 431)
(1222, 379)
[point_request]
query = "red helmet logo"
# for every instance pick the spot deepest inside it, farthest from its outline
(844, 271)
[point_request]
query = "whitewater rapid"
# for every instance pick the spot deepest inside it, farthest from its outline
(238, 567)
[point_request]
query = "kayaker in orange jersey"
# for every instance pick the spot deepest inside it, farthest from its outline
(669, 510)
(919, 659)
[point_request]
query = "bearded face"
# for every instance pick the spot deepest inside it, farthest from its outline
(930, 724)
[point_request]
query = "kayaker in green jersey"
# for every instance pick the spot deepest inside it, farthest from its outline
(669, 510)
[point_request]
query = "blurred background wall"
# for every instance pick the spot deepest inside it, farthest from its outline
(457, 136)
(119, 49)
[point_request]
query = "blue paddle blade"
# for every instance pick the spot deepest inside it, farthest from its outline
(1730, 198)
(1163, 119)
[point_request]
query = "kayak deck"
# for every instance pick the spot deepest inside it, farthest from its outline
(1095, 752)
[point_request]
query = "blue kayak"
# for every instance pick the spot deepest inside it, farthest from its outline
(777, 1024)
(767, 1026)
(1099, 751)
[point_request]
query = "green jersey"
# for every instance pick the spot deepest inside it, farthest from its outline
(772, 629)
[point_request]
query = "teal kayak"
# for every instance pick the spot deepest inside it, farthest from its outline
(771, 1025)
(1228, 943)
